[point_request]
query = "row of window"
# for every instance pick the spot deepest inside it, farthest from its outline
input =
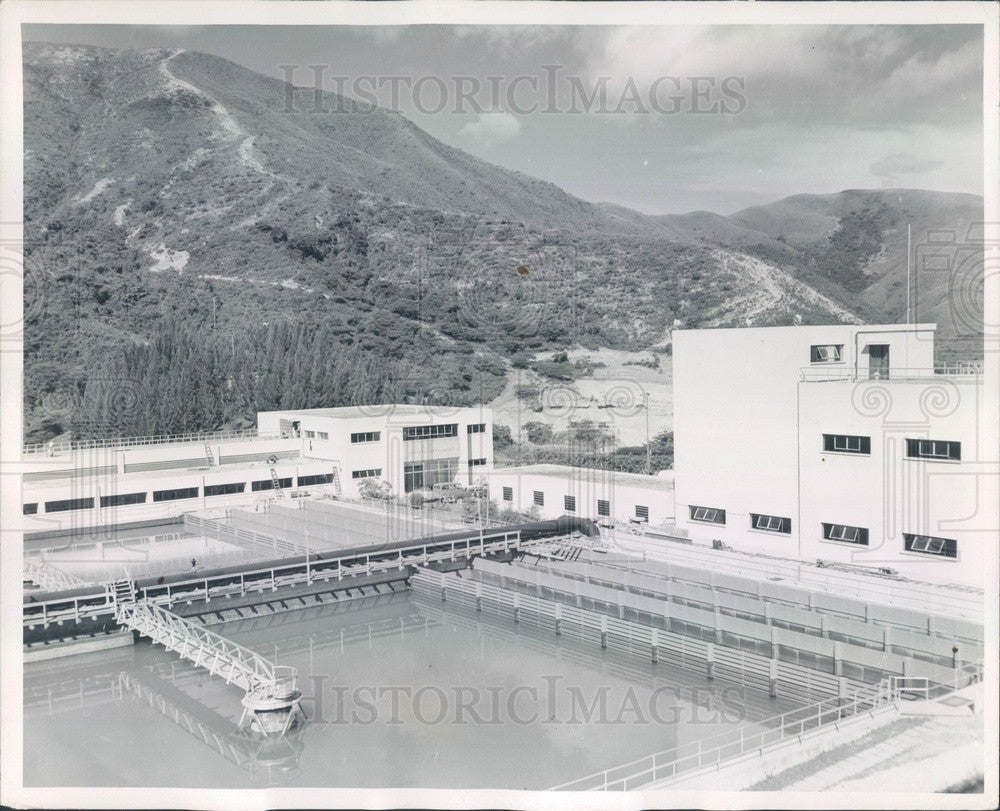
(844, 533)
(317, 435)
(365, 436)
(176, 494)
(915, 448)
(429, 431)
(370, 473)
(569, 503)
(477, 462)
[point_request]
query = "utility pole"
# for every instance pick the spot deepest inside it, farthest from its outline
(649, 448)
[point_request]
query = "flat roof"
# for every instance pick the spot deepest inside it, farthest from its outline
(923, 327)
(664, 483)
(378, 410)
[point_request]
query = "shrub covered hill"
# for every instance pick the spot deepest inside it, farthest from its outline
(196, 251)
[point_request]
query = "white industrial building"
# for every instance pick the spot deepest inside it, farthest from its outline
(409, 446)
(555, 490)
(145, 481)
(840, 443)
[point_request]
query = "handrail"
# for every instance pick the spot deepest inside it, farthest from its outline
(155, 439)
(821, 372)
(710, 750)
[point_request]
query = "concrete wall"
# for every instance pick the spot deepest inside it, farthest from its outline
(586, 486)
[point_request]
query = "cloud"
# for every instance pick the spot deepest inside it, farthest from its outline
(491, 128)
(891, 167)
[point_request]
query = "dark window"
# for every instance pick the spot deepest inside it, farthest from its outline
(477, 428)
(123, 499)
(928, 545)
(709, 515)
(322, 435)
(642, 512)
(175, 495)
(366, 436)
(371, 473)
(477, 462)
(933, 449)
(267, 484)
(603, 507)
(224, 489)
(319, 478)
(845, 534)
(826, 353)
(539, 498)
(429, 431)
(569, 504)
(771, 523)
(69, 504)
(310, 434)
(508, 494)
(842, 443)
(30, 509)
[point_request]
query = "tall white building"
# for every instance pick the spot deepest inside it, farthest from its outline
(842, 443)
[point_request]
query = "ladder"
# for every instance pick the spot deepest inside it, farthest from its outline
(275, 481)
(209, 455)
(121, 592)
(336, 482)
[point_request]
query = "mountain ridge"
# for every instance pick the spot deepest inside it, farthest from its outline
(180, 219)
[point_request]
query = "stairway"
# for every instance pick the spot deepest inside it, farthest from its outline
(121, 593)
(276, 482)
(209, 455)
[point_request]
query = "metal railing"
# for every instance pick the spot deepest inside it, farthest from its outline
(270, 578)
(157, 439)
(838, 372)
(732, 744)
(234, 663)
(48, 576)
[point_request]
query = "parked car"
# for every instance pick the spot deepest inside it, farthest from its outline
(449, 492)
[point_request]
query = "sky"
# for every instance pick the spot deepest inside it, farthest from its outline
(659, 119)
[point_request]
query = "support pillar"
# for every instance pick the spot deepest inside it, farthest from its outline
(718, 626)
(656, 646)
(604, 632)
(558, 619)
(517, 607)
(710, 661)
(772, 687)
(479, 596)
(444, 590)
(838, 664)
(774, 642)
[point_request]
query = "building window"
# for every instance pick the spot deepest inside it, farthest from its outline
(845, 534)
(508, 494)
(224, 489)
(69, 504)
(933, 449)
(709, 515)
(928, 545)
(366, 436)
(30, 509)
(841, 443)
(477, 428)
(175, 495)
(771, 523)
(322, 435)
(477, 462)
(310, 434)
(603, 507)
(429, 431)
(539, 498)
(122, 499)
(371, 473)
(320, 478)
(267, 484)
(641, 512)
(826, 353)
(569, 504)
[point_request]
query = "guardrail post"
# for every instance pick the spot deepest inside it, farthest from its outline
(710, 661)
(604, 632)
(656, 646)
(772, 686)
(559, 619)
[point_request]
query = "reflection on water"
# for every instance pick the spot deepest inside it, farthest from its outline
(399, 691)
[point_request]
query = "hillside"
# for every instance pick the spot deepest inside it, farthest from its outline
(195, 252)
